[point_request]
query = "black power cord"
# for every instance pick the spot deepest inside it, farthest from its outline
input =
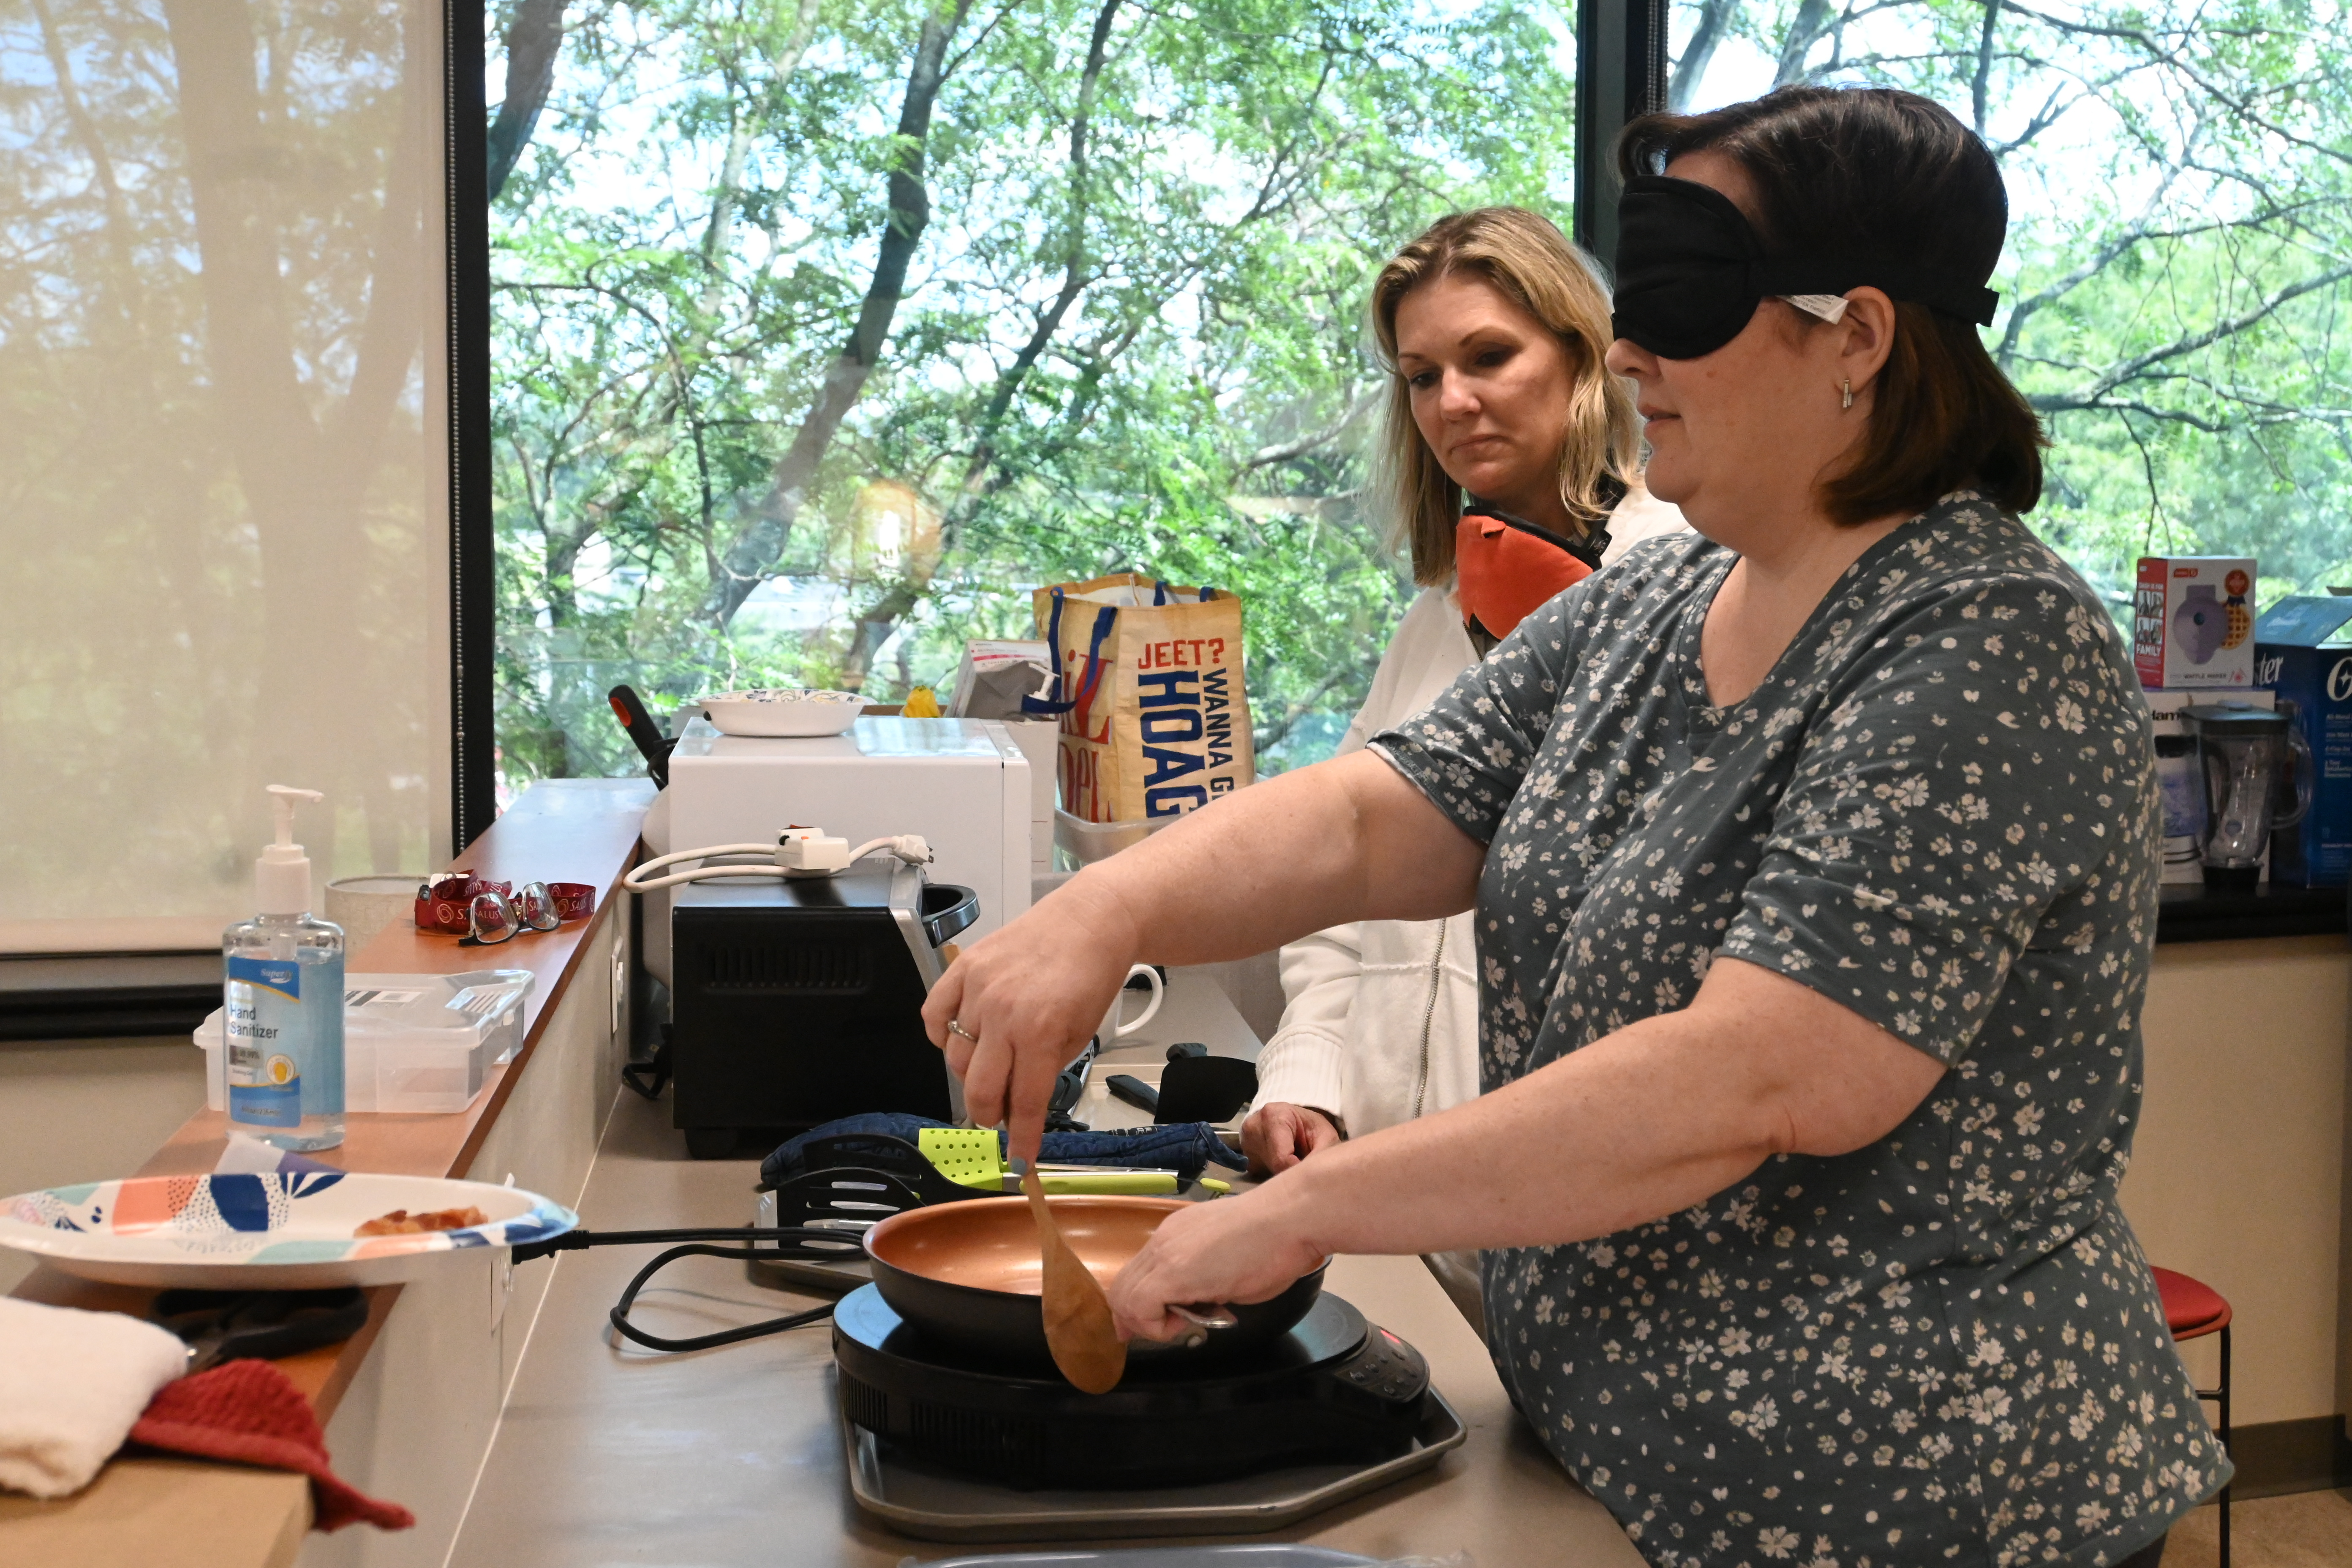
(696, 1239)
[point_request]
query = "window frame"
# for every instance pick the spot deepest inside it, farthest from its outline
(1620, 75)
(1622, 72)
(473, 550)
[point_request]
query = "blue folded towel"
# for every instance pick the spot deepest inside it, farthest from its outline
(1184, 1147)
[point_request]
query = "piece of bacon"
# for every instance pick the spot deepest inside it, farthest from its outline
(400, 1222)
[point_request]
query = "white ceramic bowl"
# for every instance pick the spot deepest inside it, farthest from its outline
(783, 710)
(290, 1231)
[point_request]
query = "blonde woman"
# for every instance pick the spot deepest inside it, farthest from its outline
(1509, 467)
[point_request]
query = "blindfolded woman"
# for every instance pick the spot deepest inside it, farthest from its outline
(1495, 328)
(1814, 870)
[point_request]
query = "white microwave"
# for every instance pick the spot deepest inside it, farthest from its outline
(963, 783)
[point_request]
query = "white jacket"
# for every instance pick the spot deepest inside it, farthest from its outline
(1380, 1017)
(1381, 1021)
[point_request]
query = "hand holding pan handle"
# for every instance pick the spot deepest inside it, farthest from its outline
(1202, 1317)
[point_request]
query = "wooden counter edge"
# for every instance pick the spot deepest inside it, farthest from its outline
(162, 1510)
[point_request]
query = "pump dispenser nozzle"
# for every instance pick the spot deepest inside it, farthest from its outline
(281, 877)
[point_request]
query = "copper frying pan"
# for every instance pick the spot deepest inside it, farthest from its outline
(968, 1274)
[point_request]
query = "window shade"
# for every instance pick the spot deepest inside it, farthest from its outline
(223, 454)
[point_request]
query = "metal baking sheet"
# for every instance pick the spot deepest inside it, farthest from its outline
(936, 1504)
(780, 1273)
(801, 1275)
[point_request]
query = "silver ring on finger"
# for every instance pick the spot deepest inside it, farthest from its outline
(956, 1027)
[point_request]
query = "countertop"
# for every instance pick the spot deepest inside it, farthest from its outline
(610, 1453)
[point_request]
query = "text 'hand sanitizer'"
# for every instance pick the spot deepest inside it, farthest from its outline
(284, 1007)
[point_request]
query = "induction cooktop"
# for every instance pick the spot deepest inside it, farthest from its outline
(948, 1445)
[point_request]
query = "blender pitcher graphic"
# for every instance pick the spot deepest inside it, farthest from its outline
(2257, 771)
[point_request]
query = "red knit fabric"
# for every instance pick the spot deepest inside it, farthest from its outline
(250, 1412)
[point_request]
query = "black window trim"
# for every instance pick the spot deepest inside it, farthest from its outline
(1620, 75)
(473, 564)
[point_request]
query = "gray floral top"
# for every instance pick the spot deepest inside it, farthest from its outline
(1938, 809)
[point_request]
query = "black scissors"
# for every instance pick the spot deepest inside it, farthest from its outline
(259, 1325)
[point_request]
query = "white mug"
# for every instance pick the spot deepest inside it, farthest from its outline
(1112, 1030)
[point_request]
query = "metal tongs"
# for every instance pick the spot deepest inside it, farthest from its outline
(259, 1325)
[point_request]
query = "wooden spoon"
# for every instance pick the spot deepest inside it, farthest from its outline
(1078, 1329)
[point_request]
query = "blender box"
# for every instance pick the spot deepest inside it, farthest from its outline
(2193, 622)
(2304, 654)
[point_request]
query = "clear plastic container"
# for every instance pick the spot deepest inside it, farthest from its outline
(413, 1043)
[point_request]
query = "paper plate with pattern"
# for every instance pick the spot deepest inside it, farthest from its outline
(288, 1231)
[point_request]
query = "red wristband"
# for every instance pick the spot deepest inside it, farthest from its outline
(573, 900)
(443, 903)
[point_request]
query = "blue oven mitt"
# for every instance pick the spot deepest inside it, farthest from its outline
(1184, 1147)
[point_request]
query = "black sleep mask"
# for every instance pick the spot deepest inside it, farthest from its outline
(1690, 272)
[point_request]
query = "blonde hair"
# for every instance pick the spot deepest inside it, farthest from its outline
(1526, 258)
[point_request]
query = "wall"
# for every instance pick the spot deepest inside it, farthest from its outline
(83, 1109)
(418, 1420)
(2237, 1171)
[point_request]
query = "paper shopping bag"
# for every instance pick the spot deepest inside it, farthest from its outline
(1147, 688)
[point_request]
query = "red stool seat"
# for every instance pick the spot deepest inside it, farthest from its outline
(2191, 1307)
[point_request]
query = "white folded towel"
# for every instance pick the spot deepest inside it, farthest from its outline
(71, 1384)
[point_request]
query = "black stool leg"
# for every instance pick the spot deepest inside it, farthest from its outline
(2221, 1400)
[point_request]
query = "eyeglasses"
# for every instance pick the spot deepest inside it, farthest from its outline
(494, 917)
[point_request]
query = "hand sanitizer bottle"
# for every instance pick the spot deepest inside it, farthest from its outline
(283, 1007)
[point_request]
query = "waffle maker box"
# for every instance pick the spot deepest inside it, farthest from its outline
(2193, 622)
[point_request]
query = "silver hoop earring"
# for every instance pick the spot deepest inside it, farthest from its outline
(1845, 394)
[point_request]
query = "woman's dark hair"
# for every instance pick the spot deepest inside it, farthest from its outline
(1870, 172)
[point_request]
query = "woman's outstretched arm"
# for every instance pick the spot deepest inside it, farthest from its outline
(1660, 1115)
(1344, 840)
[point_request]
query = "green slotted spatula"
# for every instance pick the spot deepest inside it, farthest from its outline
(974, 1157)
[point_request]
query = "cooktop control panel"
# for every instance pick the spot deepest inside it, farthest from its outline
(1386, 1367)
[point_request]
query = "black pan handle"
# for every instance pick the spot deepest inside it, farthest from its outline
(651, 744)
(1134, 1090)
(578, 1240)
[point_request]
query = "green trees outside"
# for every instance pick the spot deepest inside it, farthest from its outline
(2176, 290)
(825, 331)
(825, 328)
